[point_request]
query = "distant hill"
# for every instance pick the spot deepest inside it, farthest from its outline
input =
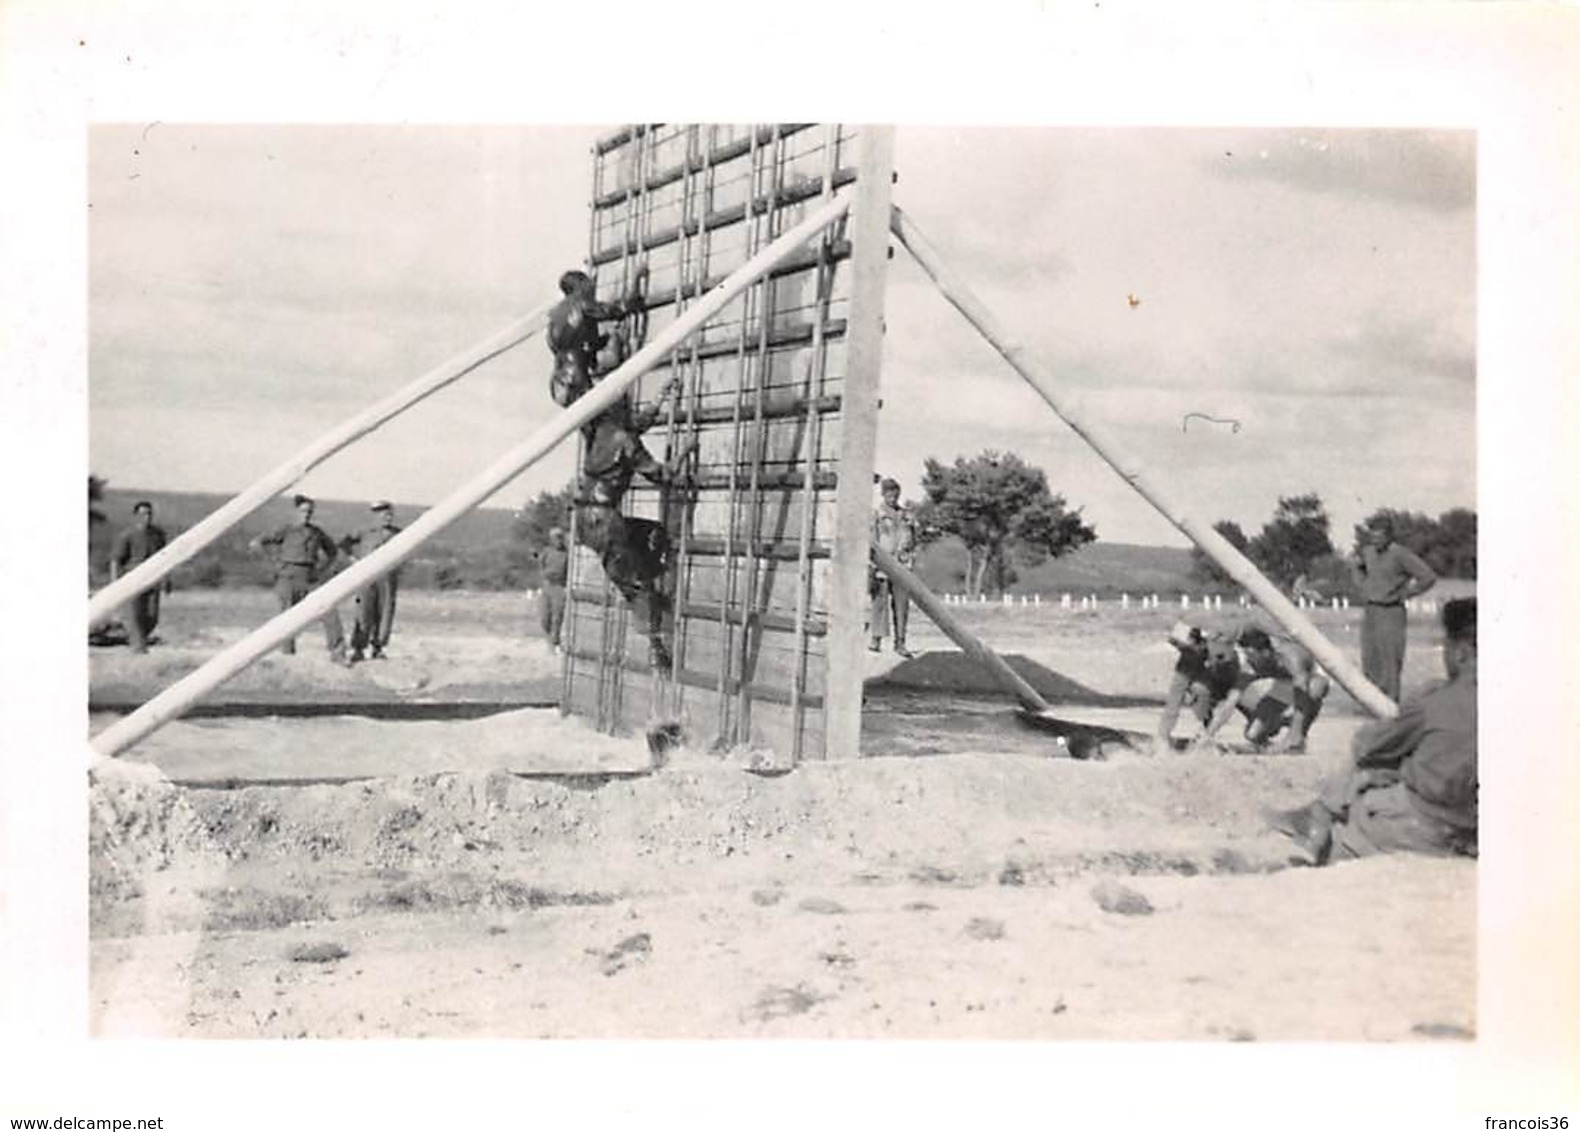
(1103, 568)
(477, 551)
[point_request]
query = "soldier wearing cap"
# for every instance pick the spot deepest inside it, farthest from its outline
(303, 557)
(132, 547)
(375, 617)
(894, 529)
(1389, 574)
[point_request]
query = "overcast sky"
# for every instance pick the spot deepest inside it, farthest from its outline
(252, 286)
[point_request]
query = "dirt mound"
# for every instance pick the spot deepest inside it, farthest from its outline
(957, 673)
(974, 816)
(138, 824)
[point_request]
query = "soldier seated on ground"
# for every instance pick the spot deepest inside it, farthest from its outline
(1414, 784)
(1278, 690)
(1204, 676)
(574, 335)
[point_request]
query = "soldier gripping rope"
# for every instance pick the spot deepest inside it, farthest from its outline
(634, 552)
(574, 335)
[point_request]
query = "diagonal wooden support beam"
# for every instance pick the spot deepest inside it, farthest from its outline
(1235, 564)
(174, 700)
(1012, 681)
(189, 542)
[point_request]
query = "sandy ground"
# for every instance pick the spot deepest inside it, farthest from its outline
(515, 875)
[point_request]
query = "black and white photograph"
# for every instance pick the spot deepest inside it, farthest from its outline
(985, 579)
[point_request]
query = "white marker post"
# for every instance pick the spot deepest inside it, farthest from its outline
(1071, 410)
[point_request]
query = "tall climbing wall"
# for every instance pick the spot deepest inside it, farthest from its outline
(779, 395)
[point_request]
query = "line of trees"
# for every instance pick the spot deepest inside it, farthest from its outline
(1295, 549)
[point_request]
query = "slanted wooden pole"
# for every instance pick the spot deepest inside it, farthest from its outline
(175, 699)
(1130, 469)
(189, 542)
(1012, 681)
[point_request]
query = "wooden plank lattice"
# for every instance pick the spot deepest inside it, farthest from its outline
(764, 395)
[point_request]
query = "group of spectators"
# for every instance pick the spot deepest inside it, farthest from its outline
(303, 557)
(1412, 781)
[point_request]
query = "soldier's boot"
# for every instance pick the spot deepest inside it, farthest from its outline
(658, 655)
(337, 655)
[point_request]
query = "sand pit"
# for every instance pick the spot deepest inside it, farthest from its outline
(515, 876)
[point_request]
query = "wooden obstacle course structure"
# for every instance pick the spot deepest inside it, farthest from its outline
(779, 398)
(765, 250)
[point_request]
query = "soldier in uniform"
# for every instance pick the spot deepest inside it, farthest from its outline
(376, 601)
(555, 565)
(894, 529)
(1389, 574)
(1205, 674)
(634, 552)
(1414, 783)
(574, 335)
(132, 547)
(1278, 689)
(303, 556)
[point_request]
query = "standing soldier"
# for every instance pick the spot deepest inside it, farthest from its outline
(303, 555)
(133, 546)
(1390, 574)
(555, 563)
(375, 601)
(894, 529)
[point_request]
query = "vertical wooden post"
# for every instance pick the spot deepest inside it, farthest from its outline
(868, 227)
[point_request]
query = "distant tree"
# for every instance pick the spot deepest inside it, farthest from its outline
(997, 505)
(1203, 569)
(1294, 540)
(541, 514)
(529, 531)
(1456, 549)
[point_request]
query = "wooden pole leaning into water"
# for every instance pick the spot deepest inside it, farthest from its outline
(1069, 408)
(179, 696)
(1012, 681)
(189, 542)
